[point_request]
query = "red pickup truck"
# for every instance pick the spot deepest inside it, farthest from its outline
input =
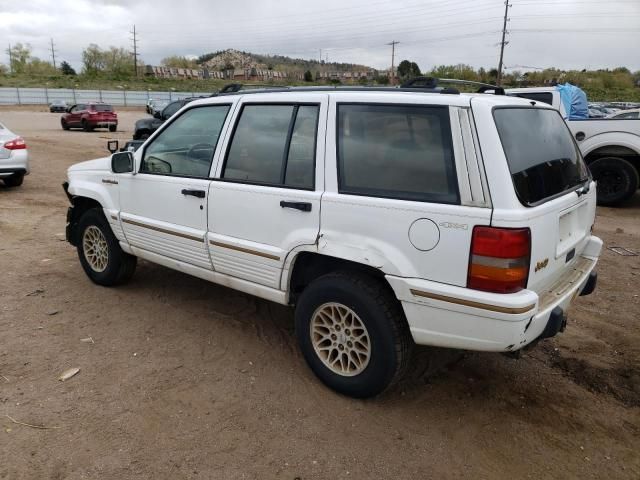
(89, 116)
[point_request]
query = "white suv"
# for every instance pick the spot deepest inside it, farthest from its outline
(387, 217)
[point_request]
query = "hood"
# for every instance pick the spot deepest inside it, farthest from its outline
(99, 164)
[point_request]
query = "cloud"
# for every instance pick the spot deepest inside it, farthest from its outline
(563, 33)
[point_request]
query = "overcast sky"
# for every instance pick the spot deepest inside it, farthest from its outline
(569, 34)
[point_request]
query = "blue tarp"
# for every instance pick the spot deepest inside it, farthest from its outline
(574, 101)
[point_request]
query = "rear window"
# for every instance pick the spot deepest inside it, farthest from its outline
(396, 151)
(103, 108)
(543, 159)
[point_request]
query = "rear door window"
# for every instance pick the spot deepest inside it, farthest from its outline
(543, 159)
(274, 145)
(396, 151)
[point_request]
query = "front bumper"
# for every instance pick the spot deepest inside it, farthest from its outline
(440, 315)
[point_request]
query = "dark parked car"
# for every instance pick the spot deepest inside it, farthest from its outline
(89, 116)
(58, 106)
(146, 126)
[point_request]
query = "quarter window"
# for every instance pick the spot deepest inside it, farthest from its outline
(274, 145)
(396, 151)
(186, 146)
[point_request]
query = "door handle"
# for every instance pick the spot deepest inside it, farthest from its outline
(194, 193)
(302, 206)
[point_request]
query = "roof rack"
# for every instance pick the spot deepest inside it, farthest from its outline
(432, 83)
(417, 84)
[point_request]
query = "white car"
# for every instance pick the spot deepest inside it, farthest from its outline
(633, 114)
(14, 158)
(387, 217)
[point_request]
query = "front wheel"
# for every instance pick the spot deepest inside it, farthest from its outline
(617, 180)
(102, 259)
(112, 128)
(65, 125)
(353, 333)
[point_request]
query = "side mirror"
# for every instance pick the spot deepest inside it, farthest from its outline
(112, 146)
(157, 115)
(122, 162)
(68, 110)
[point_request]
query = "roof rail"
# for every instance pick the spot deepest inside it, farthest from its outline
(417, 84)
(432, 83)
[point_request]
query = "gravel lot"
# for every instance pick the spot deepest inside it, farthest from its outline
(184, 379)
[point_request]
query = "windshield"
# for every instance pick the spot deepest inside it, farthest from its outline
(543, 159)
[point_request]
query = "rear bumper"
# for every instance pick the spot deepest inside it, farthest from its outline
(448, 316)
(102, 123)
(18, 162)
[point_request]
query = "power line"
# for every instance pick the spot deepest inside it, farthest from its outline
(135, 51)
(503, 43)
(53, 53)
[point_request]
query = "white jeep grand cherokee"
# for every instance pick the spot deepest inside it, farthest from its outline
(387, 217)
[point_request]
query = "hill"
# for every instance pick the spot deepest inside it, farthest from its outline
(235, 59)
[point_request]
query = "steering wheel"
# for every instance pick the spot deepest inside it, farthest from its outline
(199, 147)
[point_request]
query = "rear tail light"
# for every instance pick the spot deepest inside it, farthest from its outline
(17, 143)
(499, 259)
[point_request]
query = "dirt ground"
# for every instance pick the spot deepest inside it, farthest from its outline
(184, 379)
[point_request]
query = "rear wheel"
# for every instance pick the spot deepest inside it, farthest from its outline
(617, 179)
(112, 128)
(102, 259)
(14, 180)
(85, 126)
(353, 333)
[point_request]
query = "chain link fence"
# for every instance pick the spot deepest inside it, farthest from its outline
(125, 98)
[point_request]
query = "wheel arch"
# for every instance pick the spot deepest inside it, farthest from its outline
(307, 266)
(624, 145)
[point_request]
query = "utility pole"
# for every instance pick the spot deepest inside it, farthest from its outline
(53, 53)
(10, 59)
(503, 42)
(393, 44)
(135, 51)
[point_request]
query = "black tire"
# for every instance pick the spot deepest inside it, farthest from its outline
(144, 136)
(64, 124)
(112, 128)
(14, 180)
(380, 312)
(120, 266)
(617, 180)
(85, 126)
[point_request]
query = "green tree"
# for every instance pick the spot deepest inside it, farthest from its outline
(93, 60)
(177, 61)
(119, 62)
(407, 69)
(37, 67)
(20, 55)
(66, 69)
(308, 76)
(382, 80)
